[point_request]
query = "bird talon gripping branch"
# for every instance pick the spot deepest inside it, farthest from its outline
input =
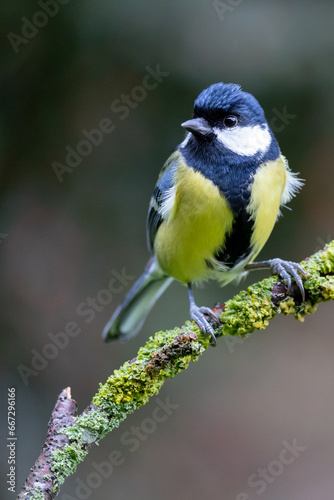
(285, 270)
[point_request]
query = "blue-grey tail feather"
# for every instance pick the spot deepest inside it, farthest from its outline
(129, 316)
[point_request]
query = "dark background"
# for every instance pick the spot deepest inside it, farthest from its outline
(61, 240)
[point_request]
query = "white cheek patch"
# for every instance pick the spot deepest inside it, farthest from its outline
(245, 141)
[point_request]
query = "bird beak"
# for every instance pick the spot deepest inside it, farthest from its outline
(198, 126)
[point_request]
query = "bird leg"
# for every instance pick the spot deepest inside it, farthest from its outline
(197, 314)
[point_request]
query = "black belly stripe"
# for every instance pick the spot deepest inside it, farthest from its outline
(238, 243)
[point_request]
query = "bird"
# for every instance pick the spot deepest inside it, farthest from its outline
(214, 206)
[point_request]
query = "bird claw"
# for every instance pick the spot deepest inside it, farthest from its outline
(287, 269)
(197, 314)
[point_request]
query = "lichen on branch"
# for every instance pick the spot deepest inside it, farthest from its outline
(164, 356)
(252, 309)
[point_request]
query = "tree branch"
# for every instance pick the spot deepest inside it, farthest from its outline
(163, 356)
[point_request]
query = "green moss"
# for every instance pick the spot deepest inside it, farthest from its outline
(128, 384)
(288, 306)
(159, 340)
(38, 495)
(65, 462)
(88, 427)
(135, 383)
(249, 310)
(320, 281)
(322, 262)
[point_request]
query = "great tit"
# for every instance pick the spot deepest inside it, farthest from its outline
(213, 208)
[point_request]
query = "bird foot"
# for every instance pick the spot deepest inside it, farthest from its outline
(198, 314)
(287, 269)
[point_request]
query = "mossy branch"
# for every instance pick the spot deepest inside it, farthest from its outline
(162, 357)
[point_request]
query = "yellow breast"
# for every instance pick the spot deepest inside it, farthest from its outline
(267, 190)
(195, 229)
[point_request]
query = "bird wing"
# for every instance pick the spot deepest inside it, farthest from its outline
(163, 198)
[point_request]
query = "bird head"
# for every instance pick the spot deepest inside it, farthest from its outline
(229, 118)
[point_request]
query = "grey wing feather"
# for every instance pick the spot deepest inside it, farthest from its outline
(165, 183)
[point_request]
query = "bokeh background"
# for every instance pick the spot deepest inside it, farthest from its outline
(60, 241)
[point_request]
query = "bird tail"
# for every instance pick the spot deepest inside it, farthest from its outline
(129, 316)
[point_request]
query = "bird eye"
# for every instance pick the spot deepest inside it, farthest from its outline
(230, 121)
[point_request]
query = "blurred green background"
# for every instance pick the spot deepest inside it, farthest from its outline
(60, 241)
